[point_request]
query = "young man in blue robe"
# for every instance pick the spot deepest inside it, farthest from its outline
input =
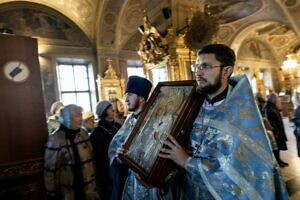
(137, 91)
(229, 156)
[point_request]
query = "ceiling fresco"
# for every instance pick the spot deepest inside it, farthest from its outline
(115, 25)
(31, 22)
(82, 12)
(255, 50)
(231, 10)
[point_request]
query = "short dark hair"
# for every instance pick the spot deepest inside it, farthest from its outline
(223, 53)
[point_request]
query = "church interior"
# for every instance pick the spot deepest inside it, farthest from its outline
(86, 50)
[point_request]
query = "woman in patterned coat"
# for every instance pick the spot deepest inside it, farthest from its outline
(69, 170)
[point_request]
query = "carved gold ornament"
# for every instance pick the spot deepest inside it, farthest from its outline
(152, 48)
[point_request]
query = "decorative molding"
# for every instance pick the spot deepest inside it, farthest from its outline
(110, 18)
(225, 33)
(291, 3)
(132, 18)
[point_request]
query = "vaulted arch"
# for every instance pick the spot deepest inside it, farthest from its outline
(43, 22)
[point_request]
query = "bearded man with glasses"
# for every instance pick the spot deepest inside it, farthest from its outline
(229, 156)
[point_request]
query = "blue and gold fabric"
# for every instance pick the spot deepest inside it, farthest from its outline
(133, 189)
(231, 156)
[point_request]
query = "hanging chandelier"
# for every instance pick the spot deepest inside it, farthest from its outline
(201, 31)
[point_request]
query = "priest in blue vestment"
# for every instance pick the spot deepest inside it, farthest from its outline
(137, 91)
(229, 155)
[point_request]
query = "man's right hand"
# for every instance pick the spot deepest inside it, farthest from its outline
(120, 151)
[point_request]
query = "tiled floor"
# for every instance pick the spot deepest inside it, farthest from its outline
(291, 174)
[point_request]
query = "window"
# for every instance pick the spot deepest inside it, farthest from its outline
(135, 67)
(158, 74)
(76, 83)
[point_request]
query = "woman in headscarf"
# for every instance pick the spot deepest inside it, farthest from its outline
(69, 170)
(101, 137)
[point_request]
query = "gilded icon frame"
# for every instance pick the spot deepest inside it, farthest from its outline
(168, 112)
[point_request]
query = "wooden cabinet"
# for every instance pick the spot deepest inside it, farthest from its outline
(22, 119)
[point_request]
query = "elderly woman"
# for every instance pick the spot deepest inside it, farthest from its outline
(69, 170)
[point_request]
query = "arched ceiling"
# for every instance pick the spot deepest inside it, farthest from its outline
(273, 22)
(226, 11)
(276, 35)
(256, 49)
(42, 22)
(82, 12)
(114, 24)
(119, 21)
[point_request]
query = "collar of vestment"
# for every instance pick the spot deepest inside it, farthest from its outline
(217, 98)
(136, 115)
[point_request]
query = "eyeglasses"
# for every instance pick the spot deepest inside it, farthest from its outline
(203, 66)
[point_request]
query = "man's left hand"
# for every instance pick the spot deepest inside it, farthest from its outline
(173, 151)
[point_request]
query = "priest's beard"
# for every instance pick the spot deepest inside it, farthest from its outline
(210, 88)
(134, 107)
